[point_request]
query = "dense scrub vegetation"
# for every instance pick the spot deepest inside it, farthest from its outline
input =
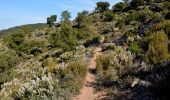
(49, 61)
(9, 60)
(146, 34)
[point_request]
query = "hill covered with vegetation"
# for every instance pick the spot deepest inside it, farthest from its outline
(26, 28)
(125, 49)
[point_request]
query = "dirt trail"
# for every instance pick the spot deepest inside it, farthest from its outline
(87, 91)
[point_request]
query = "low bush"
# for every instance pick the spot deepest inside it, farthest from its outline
(78, 53)
(161, 26)
(105, 70)
(108, 16)
(8, 61)
(83, 19)
(80, 34)
(130, 33)
(119, 7)
(40, 84)
(142, 16)
(158, 48)
(72, 76)
(166, 5)
(15, 39)
(108, 46)
(49, 64)
(78, 69)
(64, 38)
(131, 17)
(135, 48)
(95, 39)
(33, 46)
(111, 66)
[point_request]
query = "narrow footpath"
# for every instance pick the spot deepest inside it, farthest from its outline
(87, 91)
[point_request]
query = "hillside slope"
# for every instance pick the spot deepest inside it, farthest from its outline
(30, 28)
(108, 54)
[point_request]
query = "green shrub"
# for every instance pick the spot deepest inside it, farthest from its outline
(67, 88)
(135, 48)
(108, 47)
(49, 64)
(111, 66)
(105, 70)
(141, 16)
(77, 53)
(121, 23)
(130, 33)
(104, 65)
(80, 34)
(158, 48)
(108, 16)
(163, 25)
(95, 18)
(78, 69)
(15, 39)
(51, 20)
(166, 5)
(95, 39)
(64, 38)
(106, 28)
(145, 15)
(72, 76)
(32, 46)
(119, 7)
(120, 59)
(18, 42)
(82, 19)
(8, 61)
(102, 6)
(131, 17)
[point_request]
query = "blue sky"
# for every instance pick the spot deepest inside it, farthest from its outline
(20, 12)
